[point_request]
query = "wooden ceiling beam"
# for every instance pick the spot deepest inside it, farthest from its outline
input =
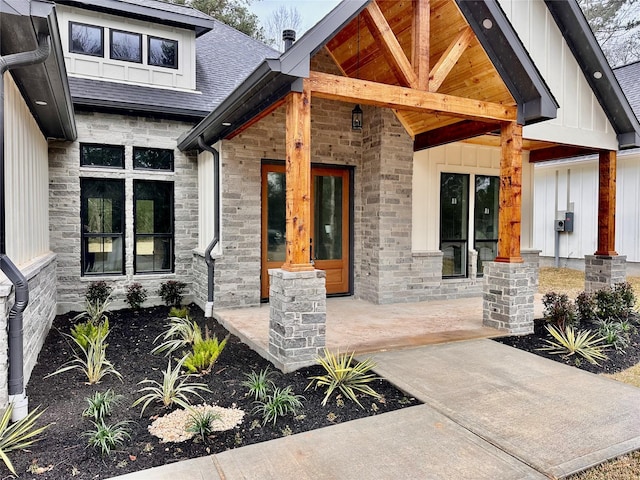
(452, 133)
(557, 152)
(388, 43)
(420, 37)
(449, 58)
(333, 87)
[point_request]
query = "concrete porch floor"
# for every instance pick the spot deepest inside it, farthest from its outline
(363, 327)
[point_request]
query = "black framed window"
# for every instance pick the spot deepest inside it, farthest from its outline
(93, 155)
(102, 215)
(454, 223)
(126, 46)
(485, 219)
(153, 213)
(152, 159)
(86, 39)
(162, 52)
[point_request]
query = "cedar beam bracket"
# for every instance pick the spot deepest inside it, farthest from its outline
(607, 204)
(391, 48)
(509, 216)
(421, 46)
(298, 179)
(449, 58)
(335, 87)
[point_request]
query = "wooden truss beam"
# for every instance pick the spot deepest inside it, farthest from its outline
(510, 214)
(449, 58)
(557, 152)
(298, 179)
(452, 133)
(607, 204)
(334, 87)
(388, 43)
(420, 32)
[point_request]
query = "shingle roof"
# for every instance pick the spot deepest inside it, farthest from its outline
(628, 76)
(224, 58)
(169, 7)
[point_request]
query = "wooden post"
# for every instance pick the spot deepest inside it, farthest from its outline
(607, 204)
(421, 29)
(509, 216)
(298, 177)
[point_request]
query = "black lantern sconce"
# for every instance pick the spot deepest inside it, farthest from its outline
(356, 118)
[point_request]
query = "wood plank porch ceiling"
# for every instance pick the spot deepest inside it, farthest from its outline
(422, 59)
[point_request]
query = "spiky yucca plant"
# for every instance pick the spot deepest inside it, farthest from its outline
(180, 333)
(343, 376)
(588, 345)
(18, 435)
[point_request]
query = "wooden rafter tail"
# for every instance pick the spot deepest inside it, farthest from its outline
(391, 48)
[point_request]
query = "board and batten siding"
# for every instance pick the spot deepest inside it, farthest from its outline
(104, 68)
(26, 180)
(428, 165)
(581, 120)
(574, 184)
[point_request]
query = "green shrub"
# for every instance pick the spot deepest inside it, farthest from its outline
(204, 354)
(179, 312)
(101, 405)
(98, 292)
(85, 332)
(107, 438)
(173, 389)
(180, 333)
(136, 295)
(201, 423)
(559, 310)
(171, 292)
(259, 384)
(615, 334)
(92, 360)
(586, 306)
(583, 343)
(344, 377)
(18, 435)
(280, 402)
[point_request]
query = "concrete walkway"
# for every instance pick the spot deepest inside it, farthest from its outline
(490, 412)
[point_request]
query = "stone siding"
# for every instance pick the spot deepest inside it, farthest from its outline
(603, 272)
(37, 318)
(64, 206)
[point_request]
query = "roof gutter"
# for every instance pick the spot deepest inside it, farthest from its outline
(16, 361)
(209, 260)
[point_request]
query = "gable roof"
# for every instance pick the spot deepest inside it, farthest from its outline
(276, 77)
(182, 16)
(224, 57)
(596, 69)
(21, 23)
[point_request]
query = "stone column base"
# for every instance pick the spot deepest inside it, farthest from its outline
(507, 296)
(602, 271)
(297, 318)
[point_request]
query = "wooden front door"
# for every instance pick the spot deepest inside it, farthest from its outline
(330, 241)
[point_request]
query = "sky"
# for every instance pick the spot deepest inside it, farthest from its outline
(310, 10)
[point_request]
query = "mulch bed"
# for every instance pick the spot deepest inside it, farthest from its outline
(617, 361)
(64, 450)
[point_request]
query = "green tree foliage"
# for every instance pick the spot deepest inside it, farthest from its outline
(235, 13)
(616, 25)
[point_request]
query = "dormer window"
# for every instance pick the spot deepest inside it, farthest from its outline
(126, 46)
(163, 52)
(86, 39)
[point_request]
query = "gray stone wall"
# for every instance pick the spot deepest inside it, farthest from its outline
(37, 318)
(603, 272)
(64, 202)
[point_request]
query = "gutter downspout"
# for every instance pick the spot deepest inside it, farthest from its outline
(16, 361)
(211, 263)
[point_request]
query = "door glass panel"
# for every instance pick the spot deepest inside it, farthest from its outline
(276, 217)
(328, 218)
(486, 219)
(454, 219)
